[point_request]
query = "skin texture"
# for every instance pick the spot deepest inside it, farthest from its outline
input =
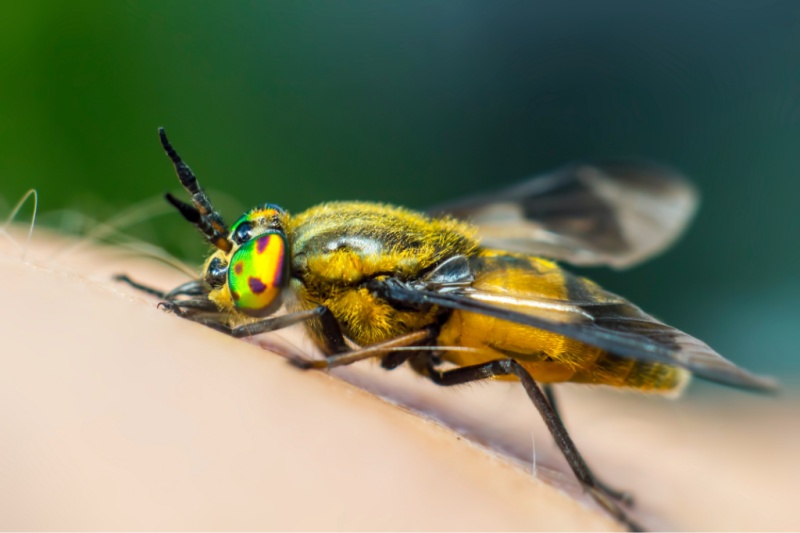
(119, 416)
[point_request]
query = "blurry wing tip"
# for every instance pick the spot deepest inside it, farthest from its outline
(765, 384)
(723, 371)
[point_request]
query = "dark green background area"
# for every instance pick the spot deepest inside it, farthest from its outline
(417, 102)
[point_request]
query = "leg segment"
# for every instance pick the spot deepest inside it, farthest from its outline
(376, 350)
(190, 288)
(277, 322)
(195, 304)
(502, 367)
(138, 286)
(332, 333)
(392, 360)
(262, 326)
(621, 495)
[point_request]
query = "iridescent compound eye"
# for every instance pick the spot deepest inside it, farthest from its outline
(257, 273)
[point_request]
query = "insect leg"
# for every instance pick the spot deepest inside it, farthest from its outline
(332, 333)
(277, 322)
(375, 350)
(392, 360)
(213, 321)
(621, 495)
(195, 304)
(138, 286)
(503, 367)
(216, 320)
(190, 288)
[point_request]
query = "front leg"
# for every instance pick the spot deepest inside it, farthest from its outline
(218, 321)
(193, 309)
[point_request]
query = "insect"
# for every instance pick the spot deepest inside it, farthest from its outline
(464, 301)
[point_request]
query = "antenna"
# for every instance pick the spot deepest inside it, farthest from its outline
(203, 215)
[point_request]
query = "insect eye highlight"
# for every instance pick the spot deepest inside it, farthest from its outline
(258, 272)
(243, 232)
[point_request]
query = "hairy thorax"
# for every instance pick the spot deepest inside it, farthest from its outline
(337, 247)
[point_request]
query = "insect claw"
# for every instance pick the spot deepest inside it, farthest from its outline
(169, 306)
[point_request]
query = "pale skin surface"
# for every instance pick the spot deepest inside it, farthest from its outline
(119, 416)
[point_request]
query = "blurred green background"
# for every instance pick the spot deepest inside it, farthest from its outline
(416, 102)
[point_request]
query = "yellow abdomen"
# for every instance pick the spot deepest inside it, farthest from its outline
(514, 281)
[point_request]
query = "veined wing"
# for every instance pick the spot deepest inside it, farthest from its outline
(606, 213)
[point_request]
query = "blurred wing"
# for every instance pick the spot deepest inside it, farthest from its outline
(601, 319)
(612, 213)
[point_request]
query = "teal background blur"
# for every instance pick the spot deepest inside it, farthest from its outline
(416, 102)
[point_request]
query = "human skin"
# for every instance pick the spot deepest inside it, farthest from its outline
(117, 415)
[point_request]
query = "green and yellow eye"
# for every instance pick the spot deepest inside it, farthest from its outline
(257, 273)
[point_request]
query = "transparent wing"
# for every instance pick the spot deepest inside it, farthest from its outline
(615, 213)
(599, 318)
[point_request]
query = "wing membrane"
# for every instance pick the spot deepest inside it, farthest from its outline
(613, 324)
(609, 213)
